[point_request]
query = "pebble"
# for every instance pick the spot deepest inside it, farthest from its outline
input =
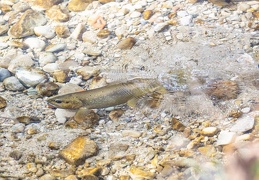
(87, 72)
(47, 89)
(116, 114)
(77, 31)
(86, 118)
(139, 172)
(135, 14)
(78, 5)
(127, 43)
(55, 13)
(61, 76)
(63, 115)
(185, 21)
(62, 31)
(25, 25)
(3, 103)
(147, 14)
(13, 84)
(55, 47)
(30, 77)
(131, 133)
(69, 88)
(51, 67)
(20, 61)
(45, 31)
(18, 128)
(103, 33)
(89, 36)
(27, 119)
(117, 150)
(160, 27)
(46, 58)
(16, 154)
(47, 177)
(78, 150)
(209, 131)
(226, 137)
(243, 124)
(46, 4)
(3, 29)
(4, 73)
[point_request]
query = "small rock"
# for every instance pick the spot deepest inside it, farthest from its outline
(61, 76)
(35, 43)
(177, 125)
(86, 118)
(63, 115)
(135, 14)
(97, 82)
(131, 133)
(89, 36)
(3, 103)
(30, 77)
(45, 31)
(51, 67)
(13, 84)
(24, 27)
(208, 150)
(32, 129)
(87, 72)
(46, 4)
(141, 173)
(18, 128)
(56, 14)
(92, 50)
(55, 47)
(116, 114)
(78, 5)
(105, 1)
(47, 89)
(117, 150)
(62, 31)
(3, 29)
(243, 124)
(16, 155)
(4, 73)
(71, 177)
(246, 110)
(69, 88)
(219, 2)
(97, 22)
(127, 43)
(46, 58)
(103, 33)
(31, 167)
(27, 119)
(20, 61)
(17, 44)
(242, 6)
(47, 177)
(185, 21)
(147, 14)
(225, 138)
(77, 33)
(78, 150)
(160, 27)
(54, 145)
(209, 131)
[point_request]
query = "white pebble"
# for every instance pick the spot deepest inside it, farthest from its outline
(135, 14)
(51, 67)
(226, 137)
(35, 43)
(244, 123)
(46, 57)
(63, 114)
(45, 31)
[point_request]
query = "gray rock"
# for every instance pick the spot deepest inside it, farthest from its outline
(13, 84)
(244, 123)
(30, 77)
(4, 73)
(46, 58)
(18, 128)
(20, 61)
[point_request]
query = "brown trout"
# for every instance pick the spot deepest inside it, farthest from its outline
(107, 96)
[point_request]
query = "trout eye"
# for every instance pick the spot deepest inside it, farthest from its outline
(58, 101)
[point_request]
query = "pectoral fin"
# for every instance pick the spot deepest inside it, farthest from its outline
(132, 102)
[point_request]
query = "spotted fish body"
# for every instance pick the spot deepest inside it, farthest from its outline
(110, 95)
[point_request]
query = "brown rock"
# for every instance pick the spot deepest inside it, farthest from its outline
(103, 33)
(5, 8)
(220, 3)
(86, 173)
(62, 173)
(223, 89)
(27, 119)
(46, 4)
(56, 14)
(24, 27)
(124, 177)
(60, 76)
(105, 1)
(140, 172)
(54, 145)
(177, 125)
(127, 43)
(78, 5)
(17, 44)
(86, 118)
(62, 31)
(78, 150)
(3, 103)
(87, 72)
(47, 89)
(208, 150)
(116, 114)
(147, 14)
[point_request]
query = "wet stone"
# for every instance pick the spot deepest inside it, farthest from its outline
(46, 58)
(16, 154)
(226, 137)
(117, 150)
(86, 118)
(4, 73)
(63, 115)
(13, 84)
(62, 31)
(55, 13)
(78, 150)
(20, 61)
(27, 119)
(87, 72)
(103, 33)
(61, 76)
(147, 14)
(24, 27)
(30, 77)
(127, 43)
(78, 5)
(35, 43)
(46, 4)
(209, 131)
(3, 102)
(47, 89)
(116, 114)
(243, 124)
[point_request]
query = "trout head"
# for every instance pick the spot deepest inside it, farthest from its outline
(65, 102)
